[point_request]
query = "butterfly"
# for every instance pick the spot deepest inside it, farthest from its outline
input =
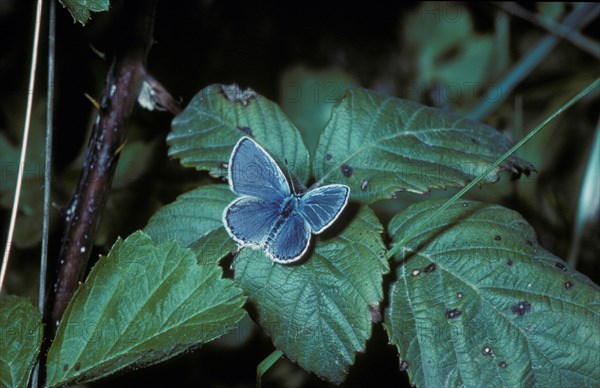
(268, 215)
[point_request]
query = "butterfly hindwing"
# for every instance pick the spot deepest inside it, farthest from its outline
(291, 240)
(253, 172)
(323, 205)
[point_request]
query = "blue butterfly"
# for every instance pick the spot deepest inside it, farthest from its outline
(267, 215)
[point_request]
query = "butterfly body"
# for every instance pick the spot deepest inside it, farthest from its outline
(267, 215)
(288, 207)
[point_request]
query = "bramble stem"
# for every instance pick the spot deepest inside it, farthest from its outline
(123, 85)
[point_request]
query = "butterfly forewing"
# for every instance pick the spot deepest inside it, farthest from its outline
(249, 220)
(253, 172)
(323, 205)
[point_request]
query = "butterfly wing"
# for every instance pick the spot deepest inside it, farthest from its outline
(321, 206)
(291, 240)
(249, 220)
(253, 172)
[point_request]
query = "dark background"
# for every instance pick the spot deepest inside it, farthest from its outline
(253, 44)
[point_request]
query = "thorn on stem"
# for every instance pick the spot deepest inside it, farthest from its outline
(95, 103)
(98, 52)
(118, 151)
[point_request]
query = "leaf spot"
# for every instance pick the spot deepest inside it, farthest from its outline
(487, 351)
(452, 314)
(65, 367)
(430, 268)
(498, 238)
(509, 262)
(328, 157)
(403, 365)
(459, 295)
(521, 308)
(415, 272)
(502, 364)
(77, 366)
(346, 170)
(223, 165)
(395, 194)
(568, 285)
(363, 184)
(560, 266)
(234, 94)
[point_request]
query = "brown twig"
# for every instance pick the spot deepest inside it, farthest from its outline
(123, 84)
(154, 96)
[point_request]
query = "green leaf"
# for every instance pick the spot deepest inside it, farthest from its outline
(319, 312)
(444, 45)
(134, 161)
(213, 246)
(550, 10)
(28, 229)
(20, 340)
(196, 220)
(308, 96)
(191, 216)
(80, 9)
(381, 145)
(204, 134)
(477, 302)
(9, 157)
(141, 304)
